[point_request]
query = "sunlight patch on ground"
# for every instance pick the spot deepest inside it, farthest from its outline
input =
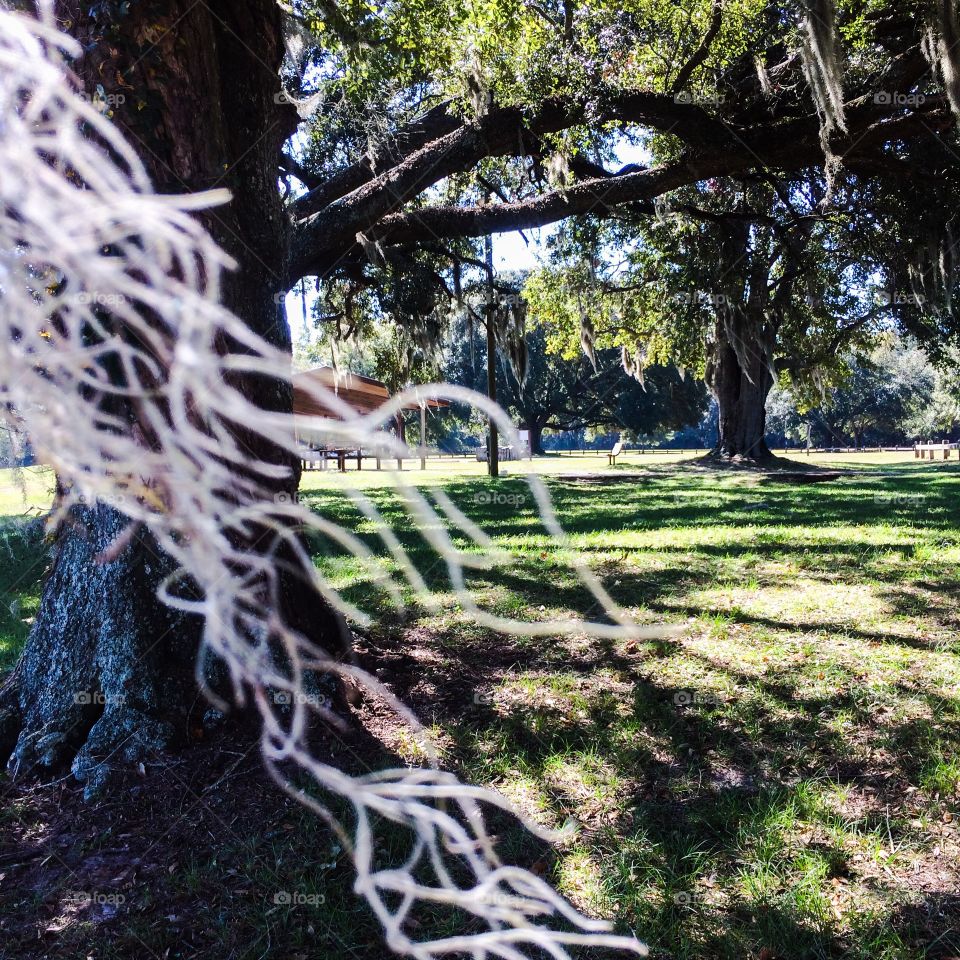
(580, 878)
(804, 603)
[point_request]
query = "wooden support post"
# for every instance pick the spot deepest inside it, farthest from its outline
(493, 439)
(423, 436)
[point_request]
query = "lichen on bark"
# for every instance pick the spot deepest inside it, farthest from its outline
(107, 677)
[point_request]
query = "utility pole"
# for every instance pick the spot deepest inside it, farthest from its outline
(493, 440)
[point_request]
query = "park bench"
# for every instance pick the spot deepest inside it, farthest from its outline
(317, 459)
(920, 450)
(614, 453)
(503, 454)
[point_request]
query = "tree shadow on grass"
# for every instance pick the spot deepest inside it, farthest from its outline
(703, 778)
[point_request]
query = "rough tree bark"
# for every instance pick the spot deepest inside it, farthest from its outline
(536, 438)
(107, 676)
(739, 377)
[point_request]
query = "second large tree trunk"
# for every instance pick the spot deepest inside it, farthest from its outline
(740, 379)
(536, 438)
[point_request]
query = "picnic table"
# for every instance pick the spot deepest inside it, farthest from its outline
(920, 450)
(505, 453)
(311, 457)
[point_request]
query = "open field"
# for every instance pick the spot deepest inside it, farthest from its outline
(779, 780)
(444, 469)
(30, 489)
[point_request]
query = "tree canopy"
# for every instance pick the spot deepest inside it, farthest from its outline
(440, 121)
(570, 393)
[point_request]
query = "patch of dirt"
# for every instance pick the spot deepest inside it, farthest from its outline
(67, 865)
(89, 880)
(602, 479)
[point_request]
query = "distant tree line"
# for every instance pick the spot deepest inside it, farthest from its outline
(572, 396)
(890, 395)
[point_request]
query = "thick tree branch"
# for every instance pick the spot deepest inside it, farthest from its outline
(289, 165)
(323, 240)
(444, 145)
(588, 170)
(434, 124)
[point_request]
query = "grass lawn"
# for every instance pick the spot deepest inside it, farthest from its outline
(781, 779)
(24, 495)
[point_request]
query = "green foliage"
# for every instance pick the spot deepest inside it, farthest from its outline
(377, 66)
(468, 50)
(892, 394)
(803, 283)
(373, 346)
(569, 393)
(885, 393)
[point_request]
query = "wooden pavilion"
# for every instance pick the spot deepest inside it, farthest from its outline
(361, 394)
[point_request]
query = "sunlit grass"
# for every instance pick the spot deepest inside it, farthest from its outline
(779, 779)
(25, 491)
(773, 779)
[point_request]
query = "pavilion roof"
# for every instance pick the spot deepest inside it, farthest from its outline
(363, 394)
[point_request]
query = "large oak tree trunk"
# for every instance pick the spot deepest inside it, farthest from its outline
(740, 379)
(107, 676)
(536, 438)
